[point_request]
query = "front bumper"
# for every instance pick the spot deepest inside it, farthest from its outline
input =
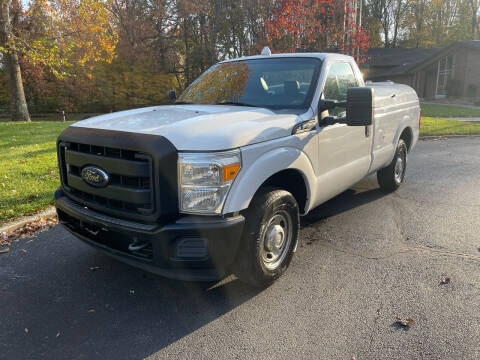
(190, 248)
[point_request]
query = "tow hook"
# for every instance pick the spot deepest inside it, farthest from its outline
(136, 245)
(90, 231)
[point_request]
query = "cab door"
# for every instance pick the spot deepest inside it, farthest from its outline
(344, 151)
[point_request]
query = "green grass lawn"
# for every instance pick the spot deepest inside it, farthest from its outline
(28, 167)
(436, 126)
(4, 117)
(446, 111)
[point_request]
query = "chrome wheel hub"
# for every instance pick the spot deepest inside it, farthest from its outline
(276, 239)
(399, 170)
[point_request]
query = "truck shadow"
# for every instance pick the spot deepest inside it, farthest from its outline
(347, 200)
(78, 303)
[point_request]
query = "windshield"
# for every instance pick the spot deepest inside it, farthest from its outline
(276, 83)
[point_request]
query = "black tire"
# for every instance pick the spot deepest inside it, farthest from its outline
(254, 264)
(391, 177)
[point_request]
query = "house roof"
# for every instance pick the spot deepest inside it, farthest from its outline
(395, 61)
(384, 62)
(471, 44)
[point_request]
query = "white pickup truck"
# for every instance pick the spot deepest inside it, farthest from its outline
(215, 183)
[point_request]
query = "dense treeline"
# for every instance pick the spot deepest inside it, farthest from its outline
(106, 55)
(422, 23)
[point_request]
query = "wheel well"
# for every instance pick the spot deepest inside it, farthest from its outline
(407, 136)
(291, 181)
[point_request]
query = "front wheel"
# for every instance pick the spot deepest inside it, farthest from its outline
(269, 237)
(391, 177)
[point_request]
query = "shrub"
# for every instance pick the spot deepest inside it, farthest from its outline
(472, 90)
(454, 88)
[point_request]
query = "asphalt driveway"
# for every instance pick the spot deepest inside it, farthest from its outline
(365, 258)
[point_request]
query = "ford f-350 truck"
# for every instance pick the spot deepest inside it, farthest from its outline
(215, 183)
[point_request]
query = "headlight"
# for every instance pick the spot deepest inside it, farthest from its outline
(204, 180)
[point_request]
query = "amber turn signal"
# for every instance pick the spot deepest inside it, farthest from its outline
(230, 171)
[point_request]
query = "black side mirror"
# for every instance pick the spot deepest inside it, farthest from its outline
(359, 106)
(172, 95)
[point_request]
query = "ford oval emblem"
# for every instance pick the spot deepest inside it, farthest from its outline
(94, 176)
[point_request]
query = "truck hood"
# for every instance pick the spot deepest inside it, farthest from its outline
(199, 127)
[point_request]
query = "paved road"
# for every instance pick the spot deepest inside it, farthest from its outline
(365, 258)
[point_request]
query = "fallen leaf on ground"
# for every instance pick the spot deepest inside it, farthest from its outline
(404, 322)
(445, 281)
(3, 251)
(28, 229)
(12, 147)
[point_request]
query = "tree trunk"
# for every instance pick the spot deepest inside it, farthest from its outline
(398, 14)
(187, 51)
(18, 104)
(214, 32)
(475, 25)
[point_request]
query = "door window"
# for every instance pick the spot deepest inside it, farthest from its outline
(340, 77)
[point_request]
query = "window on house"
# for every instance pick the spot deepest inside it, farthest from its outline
(445, 66)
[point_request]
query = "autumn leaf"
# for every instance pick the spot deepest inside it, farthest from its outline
(445, 281)
(404, 322)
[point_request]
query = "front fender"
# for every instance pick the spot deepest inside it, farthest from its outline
(256, 170)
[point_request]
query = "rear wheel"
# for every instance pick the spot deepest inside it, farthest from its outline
(269, 237)
(391, 177)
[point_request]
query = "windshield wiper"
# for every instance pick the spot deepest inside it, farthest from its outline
(235, 103)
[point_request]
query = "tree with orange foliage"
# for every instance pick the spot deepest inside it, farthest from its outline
(316, 24)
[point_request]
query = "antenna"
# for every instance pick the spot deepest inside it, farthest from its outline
(266, 51)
